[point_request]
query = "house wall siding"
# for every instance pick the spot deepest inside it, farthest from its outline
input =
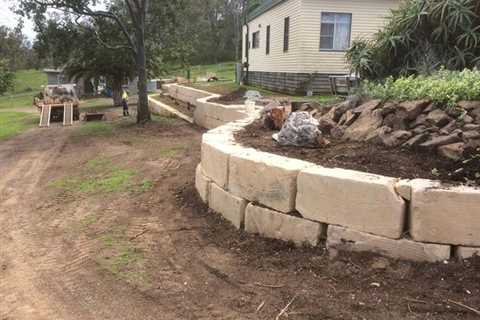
(277, 60)
(368, 17)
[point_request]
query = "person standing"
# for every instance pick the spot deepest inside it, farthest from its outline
(125, 103)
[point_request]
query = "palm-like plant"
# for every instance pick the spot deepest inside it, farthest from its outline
(420, 37)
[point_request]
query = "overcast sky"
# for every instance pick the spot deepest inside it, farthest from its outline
(9, 19)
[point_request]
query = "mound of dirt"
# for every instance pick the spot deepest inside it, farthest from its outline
(234, 97)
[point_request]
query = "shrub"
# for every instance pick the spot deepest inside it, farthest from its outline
(444, 87)
(420, 37)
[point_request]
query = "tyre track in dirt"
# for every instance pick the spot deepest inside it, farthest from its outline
(41, 275)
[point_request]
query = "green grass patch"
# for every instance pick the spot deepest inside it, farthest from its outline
(27, 84)
(96, 104)
(95, 128)
(13, 123)
(122, 258)
(224, 71)
(172, 151)
(101, 176)
(28, 81)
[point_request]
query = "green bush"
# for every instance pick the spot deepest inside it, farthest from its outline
(445, 88)
(419, 38)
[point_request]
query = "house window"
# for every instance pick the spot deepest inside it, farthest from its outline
(335, 31)
(256, 40)
(286, 34)
(267, 41)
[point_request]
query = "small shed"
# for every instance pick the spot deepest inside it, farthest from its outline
(57, 76)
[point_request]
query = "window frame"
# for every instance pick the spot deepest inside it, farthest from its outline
(267, 40)
(286, 34)
(256, 39)
(334, 25)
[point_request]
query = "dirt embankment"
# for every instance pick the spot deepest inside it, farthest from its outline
(102, 222)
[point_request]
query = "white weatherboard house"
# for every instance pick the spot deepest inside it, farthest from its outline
(287, 42)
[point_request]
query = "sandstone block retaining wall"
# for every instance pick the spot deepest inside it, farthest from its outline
(207, 114)
(293, 200)
(297, 201)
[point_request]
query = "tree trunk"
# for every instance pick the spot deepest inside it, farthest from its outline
(117, 91)
(143, 112)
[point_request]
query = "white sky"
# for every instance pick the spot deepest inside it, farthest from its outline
(10, 19)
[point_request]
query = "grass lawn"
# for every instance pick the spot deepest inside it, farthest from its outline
(227, 87)
(13, 123)
(224, 71)
(27, 84)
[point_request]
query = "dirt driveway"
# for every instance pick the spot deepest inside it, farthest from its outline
(101, 221)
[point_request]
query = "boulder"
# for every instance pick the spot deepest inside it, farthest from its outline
(471, 127)
(365, 125)
(388, 108)
(469, 135)
(378, 135)
(368, 106)
(357, 200)
(467, 119)
(276, 225)
(452, 125)
(420, 120)
(265, 178)
(337, 132)
(300, 130)
(348, 118)
(396, 121)
(350, 103)
(442, 214)
(413, 108)
(396, 138)
(416, 140)
(438, 117)
(440, 141)
(339, 238)
(475, 113)
(452, 151)
(469, 105)
(232, 208)
(325, 125)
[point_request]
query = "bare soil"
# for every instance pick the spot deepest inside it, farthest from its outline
(231, 98)
(360, 156)
(78, 244)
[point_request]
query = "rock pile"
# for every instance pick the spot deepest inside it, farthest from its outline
(416, 125)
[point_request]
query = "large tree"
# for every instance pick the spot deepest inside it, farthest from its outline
(132, 24)
(6, 78)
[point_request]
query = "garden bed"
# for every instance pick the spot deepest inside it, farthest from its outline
(179, 105)
(361, 156)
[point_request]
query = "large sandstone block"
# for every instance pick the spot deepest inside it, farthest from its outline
(268, 179)
(202, 183)
(360, 201)
(340, 238)
(216, 151)
(276, 225)
(445, 215)
(230, 207)
(463, 253)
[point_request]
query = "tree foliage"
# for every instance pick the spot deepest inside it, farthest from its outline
(6, 78)
(420, 37)
(16, 50)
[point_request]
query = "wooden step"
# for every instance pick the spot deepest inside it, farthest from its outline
(45, 116)
(68, 114)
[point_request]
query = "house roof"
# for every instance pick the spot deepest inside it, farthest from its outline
(264, 7)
